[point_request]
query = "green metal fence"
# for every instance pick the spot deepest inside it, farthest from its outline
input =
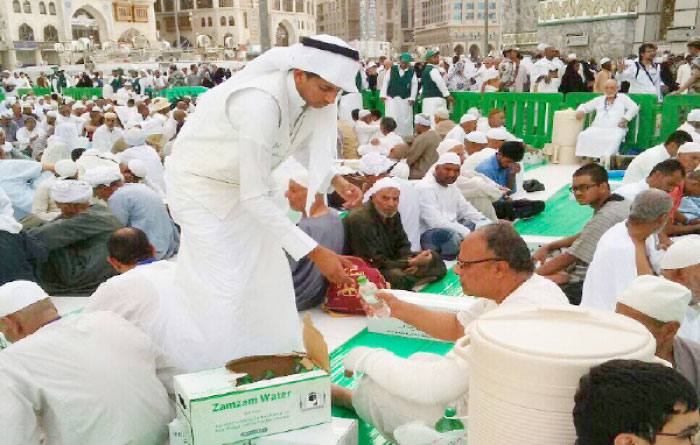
(21, 92)
(176, 92)
(78, 93)
(674, 110)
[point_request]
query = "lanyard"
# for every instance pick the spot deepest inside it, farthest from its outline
(648, 75)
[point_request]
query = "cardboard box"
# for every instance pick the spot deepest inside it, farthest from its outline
(216, 408)
(394, 326)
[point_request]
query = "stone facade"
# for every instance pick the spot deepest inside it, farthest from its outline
(520, 23)
(609, 38)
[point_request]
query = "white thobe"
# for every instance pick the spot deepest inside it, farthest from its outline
(631, 190)
(690, 328)
(539, 69)
(398, 108)
(72, 119)
(603, 137)
(477, 158)
(103, 139)
(443, 207)
(24, 137)
(85, 379)
(432, 104)
(642, 80)
(456, 134)
(613, 267)
(351, 101)
(386, 143)
(150, 157)
(43, 206)
(364, 131)
(17, 179)
(644, 162)
(92, 159)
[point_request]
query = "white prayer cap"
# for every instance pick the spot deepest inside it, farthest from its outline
(604, 60)
(657, 297)
(477, 137)
(384, 183)
(7, 114)
(301, 177)
(374, 164)
(138, 168)
(110, 115)
(542, 46)
(448, 158)
(52, 114)
(17, 295)
(682, 253)
(102, 176)
(135, 137)
(447, 145)
(689, 147)
(364, 113)
(442, 113)
(694, 115)
(467, 118)
(65, 168)
(421, 119)
(94, 98)
(498, 134)
(68, 99)
(70, 191)
(77, 106)
(571, 56)
(371, 65)
(329, 57)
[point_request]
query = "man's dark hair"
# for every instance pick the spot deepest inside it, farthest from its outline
(355, 114)
(76, 154)
(694, 44)
(505, 243)
(596, 172)
(388, 124)
(668, 167)
(513, 150)
(129, 245)
(628, 396)
(644, 46)
(376, 113)
(680, 137)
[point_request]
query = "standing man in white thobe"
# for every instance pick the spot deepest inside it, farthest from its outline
(613, 112)
(642, 73)
(352, 100)
(232, 263)
(398, 92)
(434, 90)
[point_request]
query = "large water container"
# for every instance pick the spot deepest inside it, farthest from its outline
(526, 363)
(566, 128)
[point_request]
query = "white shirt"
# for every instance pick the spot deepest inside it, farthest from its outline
(386, 143)
(544, 87)
(613, 267)
(683, 74)
(621, 107)
(690, 328)
(457, 134)
(443, 207)
(24, 137)
(85, 379)
(644, 162)
(103, 139)
(541, 68)
(631, 190)
(365, 131)
(642, 80)
(159, 82)
(385, 85)
(477, 158)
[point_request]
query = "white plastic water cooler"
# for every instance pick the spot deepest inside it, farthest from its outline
(565, 130)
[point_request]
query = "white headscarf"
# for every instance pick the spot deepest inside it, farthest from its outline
(135, 137)
(68, 134)
(374, 164)
(384, 183)
(8, 223)
(70, 191)
(102, 176)
(446, 145)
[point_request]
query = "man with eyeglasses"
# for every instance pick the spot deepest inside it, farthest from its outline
(635, 403)
(568, 268)
(642, 73)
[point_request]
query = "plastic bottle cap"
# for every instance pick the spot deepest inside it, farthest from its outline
(450, 411)
(362, 279)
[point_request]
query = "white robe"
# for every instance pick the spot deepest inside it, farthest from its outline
(150, 157)
(644, 162)
(85, 379)
(690, 328)
(398, 108)
(386, 143)
(432, 104)
(603, 137)
(17, 179)
(24, 137)
(364, 131)
(103, 139)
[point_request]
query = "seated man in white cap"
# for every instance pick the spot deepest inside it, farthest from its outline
(136, 172)
(681, 264)
(692, 124)
(445, 216)
(107, 134)
(422, 152)
(495, 138)
(613, 111)
(375, 233)
(138, 206)
(87, 378)
(384, 141)
(323, 225)
(467, 124)
(76, 241)
(135, 138)
(375, 167)
(644, 162)
(365, 128)
(31, 138)
(626, 250)
(43, 207)
(661, 305)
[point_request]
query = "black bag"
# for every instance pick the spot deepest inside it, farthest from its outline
(518, 209)
(533, 185)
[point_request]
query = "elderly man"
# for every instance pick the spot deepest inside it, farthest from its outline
(568, 268)
(234, 237)
(627, 249)
(135, 138)
(31, 138)
(8, 127)
(43, 207)
(105, 363)
(107, 134)
(423, 150)
(495, 119)
(76, 241)
(495, 251)
(689, 155)
(138, 206)
(445, 215)
(643, 163)
(325, 227)
(666, 175)
(398, 92)
(607, 131)
(681, 264)
(661, 305)
(543, 66)
(375, 233)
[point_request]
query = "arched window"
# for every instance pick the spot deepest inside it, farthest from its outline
(245, 20)
(157, 26)
(27, 7)
(231, 21)
(225, 3)
(26, 33)
(52, 8)
(50, 34)
(204, 4)
(299, 6)
(204, 22)
(223, 21)
(210, 22)
(42, 8)
(16, 7)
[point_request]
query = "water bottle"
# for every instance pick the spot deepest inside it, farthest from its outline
(367, 292)
(448, 422)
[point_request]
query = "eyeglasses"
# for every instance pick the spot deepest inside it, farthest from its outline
(462, 264)
(691, 434)
(581, 187)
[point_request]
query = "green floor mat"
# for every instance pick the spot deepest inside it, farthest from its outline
(562, 217)
(400, 346)
(448, 285)
(529, 167)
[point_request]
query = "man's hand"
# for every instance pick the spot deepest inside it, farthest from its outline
(330, 264)
(374, 141)
(390, 300)
(410, 102)
(540, 254)
(348, 191)
(622, 123)
(580, 115)
(423, 257)
(515, 168)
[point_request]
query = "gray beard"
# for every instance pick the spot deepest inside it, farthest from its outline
(386, 216)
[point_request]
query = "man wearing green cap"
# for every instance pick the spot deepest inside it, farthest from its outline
(435, 92)
(398, 91)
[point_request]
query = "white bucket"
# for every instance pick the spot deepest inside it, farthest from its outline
(565, 128)
(526, 363)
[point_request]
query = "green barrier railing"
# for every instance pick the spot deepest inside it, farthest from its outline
(21, 92)
(176, 92)
(463, 102)
(674, 110)
(78, 93)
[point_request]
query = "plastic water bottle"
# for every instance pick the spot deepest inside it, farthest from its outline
(368, 292)
(448, 422)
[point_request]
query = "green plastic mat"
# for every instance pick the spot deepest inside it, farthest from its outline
(562, 216)
(401, 346)
(448, 285)
(529, 167)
